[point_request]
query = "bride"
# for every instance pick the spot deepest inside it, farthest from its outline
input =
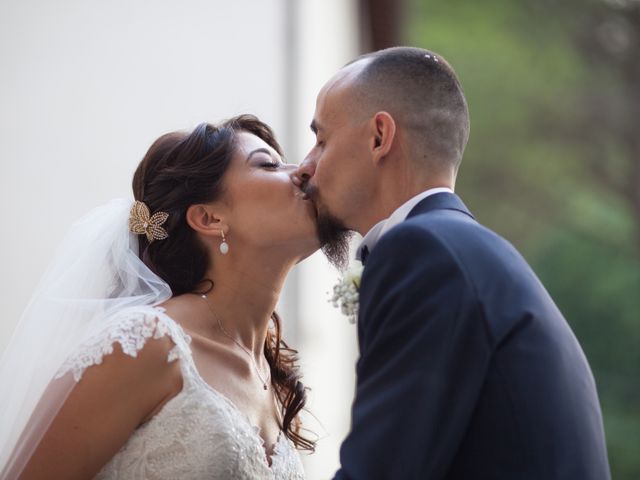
(151, 349)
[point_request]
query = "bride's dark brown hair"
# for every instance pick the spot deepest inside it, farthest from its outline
(182, 169)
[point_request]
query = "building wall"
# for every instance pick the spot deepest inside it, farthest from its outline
(328, 38)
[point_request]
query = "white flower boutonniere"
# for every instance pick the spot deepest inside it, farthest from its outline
(346, 293)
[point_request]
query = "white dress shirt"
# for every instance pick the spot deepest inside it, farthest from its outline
(379, 229)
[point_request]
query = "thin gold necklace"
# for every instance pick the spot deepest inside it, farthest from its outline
(246, 350)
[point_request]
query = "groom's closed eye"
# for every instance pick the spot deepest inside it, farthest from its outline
(316, 128)
(317, 131)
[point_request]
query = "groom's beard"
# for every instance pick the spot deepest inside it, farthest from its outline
(334, 236)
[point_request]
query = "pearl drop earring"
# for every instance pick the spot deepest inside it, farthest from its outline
(224, 246)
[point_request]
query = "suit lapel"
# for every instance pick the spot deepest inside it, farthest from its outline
(440, 201)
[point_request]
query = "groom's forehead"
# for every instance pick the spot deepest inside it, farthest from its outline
(347, 74)
(339, 84)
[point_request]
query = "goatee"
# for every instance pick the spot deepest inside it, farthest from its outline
(334, 239)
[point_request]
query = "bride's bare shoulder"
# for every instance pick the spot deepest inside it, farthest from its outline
(103, 409)
(179, 303)
(184, 309)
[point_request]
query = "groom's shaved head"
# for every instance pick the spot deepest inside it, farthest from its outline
(388, 126)
(421, 92)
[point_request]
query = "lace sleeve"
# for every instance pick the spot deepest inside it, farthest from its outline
(131, 330)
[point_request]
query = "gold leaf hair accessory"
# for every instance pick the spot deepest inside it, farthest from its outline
(142, 222)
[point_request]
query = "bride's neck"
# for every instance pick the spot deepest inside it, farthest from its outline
(244, 295)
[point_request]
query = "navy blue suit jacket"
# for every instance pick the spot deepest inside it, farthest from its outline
(467, 369)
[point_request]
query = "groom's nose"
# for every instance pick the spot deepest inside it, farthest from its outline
(304, 172)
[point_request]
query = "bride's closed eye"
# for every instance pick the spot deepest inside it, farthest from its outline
(271, 165)
(271, 162)
(266, 160)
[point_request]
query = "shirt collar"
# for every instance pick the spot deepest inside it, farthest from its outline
(372, 237)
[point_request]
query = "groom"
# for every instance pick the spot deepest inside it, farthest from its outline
(467, 368)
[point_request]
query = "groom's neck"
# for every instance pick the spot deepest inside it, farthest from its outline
(393, 191)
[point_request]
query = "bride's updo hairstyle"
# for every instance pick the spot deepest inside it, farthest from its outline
(182, 169)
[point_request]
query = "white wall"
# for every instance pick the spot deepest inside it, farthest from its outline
(327, 40)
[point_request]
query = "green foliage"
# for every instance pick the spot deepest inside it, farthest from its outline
(597, 288)
(527, 174)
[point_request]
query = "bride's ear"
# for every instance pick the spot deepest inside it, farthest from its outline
(204, 220)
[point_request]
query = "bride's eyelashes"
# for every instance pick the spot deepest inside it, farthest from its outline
(265, 159)
(272, 165)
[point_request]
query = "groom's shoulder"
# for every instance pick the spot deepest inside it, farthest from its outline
(420, 239)
(452, 234)
(449, 227)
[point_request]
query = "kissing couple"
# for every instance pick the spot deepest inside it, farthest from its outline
(152, 350)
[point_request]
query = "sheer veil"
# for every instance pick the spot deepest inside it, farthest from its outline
(95, 273)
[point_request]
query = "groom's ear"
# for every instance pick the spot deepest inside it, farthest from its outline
(204, 220)
(384, 133)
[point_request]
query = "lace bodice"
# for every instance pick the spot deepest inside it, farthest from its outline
(199, 433)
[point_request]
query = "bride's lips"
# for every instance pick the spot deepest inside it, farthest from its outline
(308, 200)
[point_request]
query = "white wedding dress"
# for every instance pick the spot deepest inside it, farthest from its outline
(199, 433)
